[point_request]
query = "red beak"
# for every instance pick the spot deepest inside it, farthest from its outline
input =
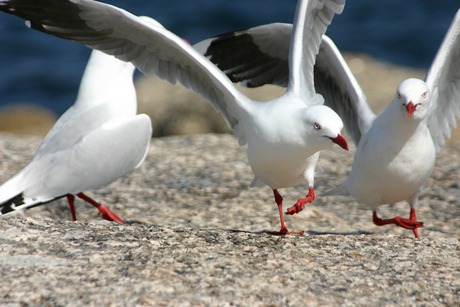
(410, 108)
(339, 140)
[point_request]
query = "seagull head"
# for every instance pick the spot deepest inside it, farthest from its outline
(324, 125)
(413, 98)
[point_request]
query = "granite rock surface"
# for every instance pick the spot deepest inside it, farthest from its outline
(194, 236)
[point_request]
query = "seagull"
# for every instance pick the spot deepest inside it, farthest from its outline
(396, 150)
(96, 141)
(283, 136)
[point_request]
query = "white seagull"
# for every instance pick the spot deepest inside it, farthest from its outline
(96, 141)
(284, 135)
(396, 150)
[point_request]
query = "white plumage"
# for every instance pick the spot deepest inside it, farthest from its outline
(395, 152)
(96, 141)
(283, 136)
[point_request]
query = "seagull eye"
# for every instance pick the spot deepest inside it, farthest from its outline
(424, 94)
(399, 95)
(317, 126)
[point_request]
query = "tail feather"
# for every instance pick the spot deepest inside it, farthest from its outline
(13, 204)
(340, 190)
(12, 198)
(18, 203)
(12, 189)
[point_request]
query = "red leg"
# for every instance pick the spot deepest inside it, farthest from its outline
(300, 205)
(103, 210)
(411, 224)
(414, 218)
(71, 200)
(283, 231)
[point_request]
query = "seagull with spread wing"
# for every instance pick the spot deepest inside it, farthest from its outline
(284, 135)
(396, 150)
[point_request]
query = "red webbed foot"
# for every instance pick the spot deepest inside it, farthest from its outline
(407, 223)
(108, 215)
(103, 210)
(284, 232)
(300, 204)
(411, 224)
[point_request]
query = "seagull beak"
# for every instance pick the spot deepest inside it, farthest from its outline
(339, 140)
(410, 108)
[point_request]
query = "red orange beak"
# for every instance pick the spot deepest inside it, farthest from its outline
(410, 109)
(339, 140)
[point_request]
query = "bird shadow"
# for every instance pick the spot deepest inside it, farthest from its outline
(351, 233)
(261, 232)
(311, 232)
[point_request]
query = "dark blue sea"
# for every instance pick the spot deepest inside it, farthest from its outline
(45, 70)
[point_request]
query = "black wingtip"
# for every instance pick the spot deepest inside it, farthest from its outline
(11, 204)
(44, 15)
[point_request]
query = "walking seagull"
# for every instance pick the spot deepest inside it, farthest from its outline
(396, 150)
(284, 135)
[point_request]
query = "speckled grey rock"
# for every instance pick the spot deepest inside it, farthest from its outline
(194, 237)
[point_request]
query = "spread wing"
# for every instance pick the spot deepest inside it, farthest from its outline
(140, 40)
(259, 56)
(310, 23)
(443, 79)
(254, 57)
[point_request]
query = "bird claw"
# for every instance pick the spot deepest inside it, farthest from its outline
(108, 215)
(298, 207)
(103, 210)
(283, 231)
(300, 204)
(407, 223)
(411, 224)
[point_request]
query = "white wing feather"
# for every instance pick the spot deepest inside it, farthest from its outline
(310, 23)
(145, 43)
(259, 56)
(443, 79)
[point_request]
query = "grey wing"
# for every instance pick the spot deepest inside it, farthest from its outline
(341, 91)
(254, 57)
(443, 80)
(98, 159)
(259, 56)
(73, 125)
(140, 40)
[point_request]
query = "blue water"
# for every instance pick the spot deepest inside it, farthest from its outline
(45, 70)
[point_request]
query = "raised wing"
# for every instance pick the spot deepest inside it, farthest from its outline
(310, 23)
(443, 79)
(150, 47)
(258, 56)
(254, 57)
(341, 91)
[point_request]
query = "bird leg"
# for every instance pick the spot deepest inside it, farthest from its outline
(71, 199)
(414, 218)
(103, 210)
(283, 231)
(411, 223)
(300, 204)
